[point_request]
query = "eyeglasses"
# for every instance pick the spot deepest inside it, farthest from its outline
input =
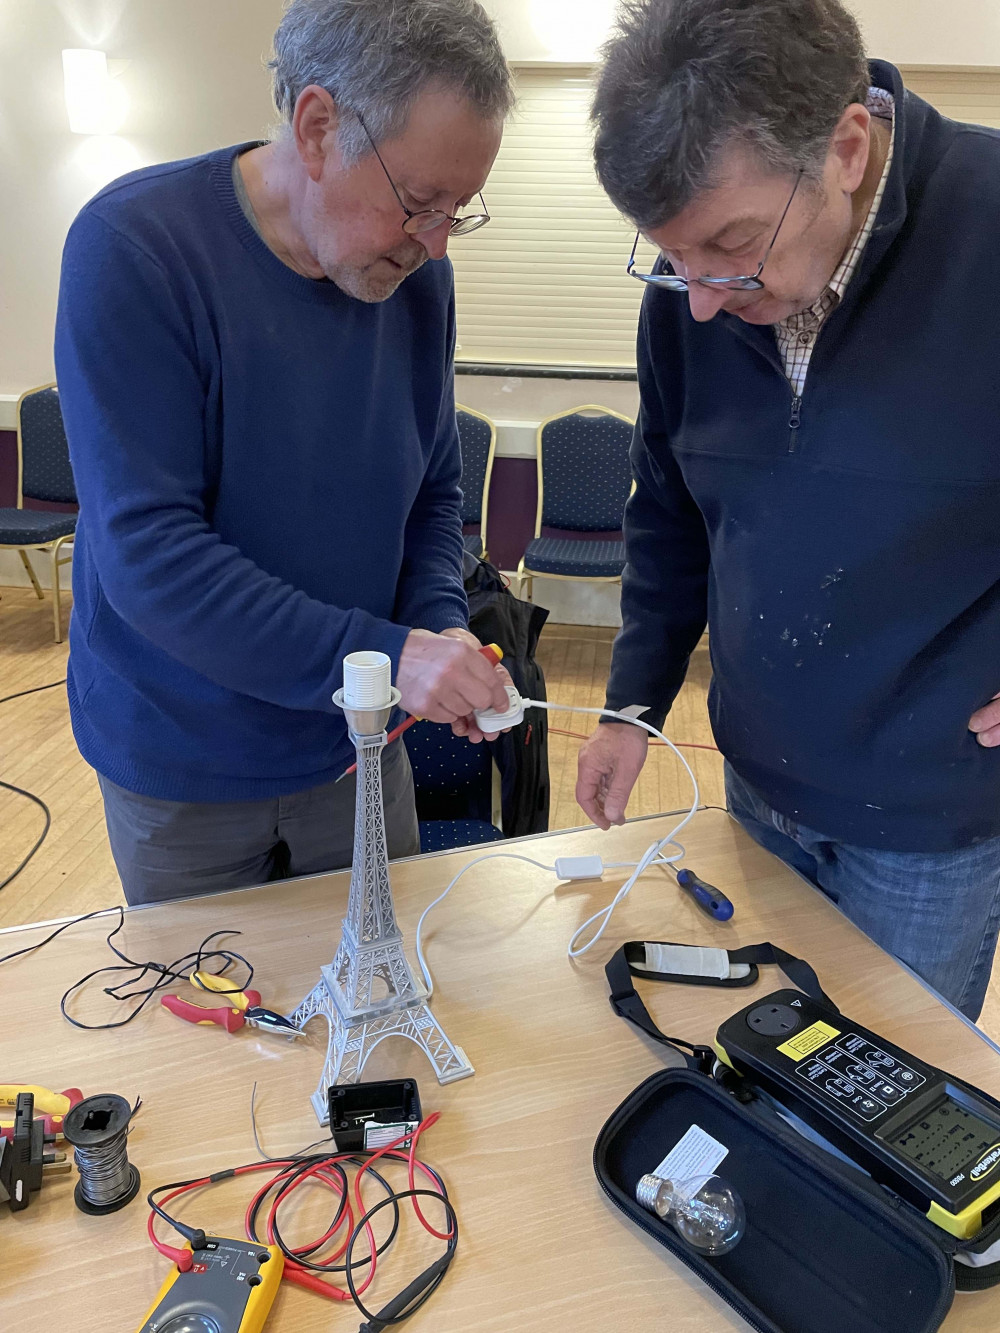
(749, 282)
(429, 218)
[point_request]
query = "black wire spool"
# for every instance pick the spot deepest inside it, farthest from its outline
(97, 1129)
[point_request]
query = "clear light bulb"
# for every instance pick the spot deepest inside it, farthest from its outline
(705, 1212)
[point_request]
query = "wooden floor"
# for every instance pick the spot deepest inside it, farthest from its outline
(74, 873)
(576, 661)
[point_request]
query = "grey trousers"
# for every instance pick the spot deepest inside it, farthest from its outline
(174, 849)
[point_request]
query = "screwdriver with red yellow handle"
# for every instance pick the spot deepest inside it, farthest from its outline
(493, 654)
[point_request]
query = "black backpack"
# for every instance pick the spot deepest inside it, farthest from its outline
(522, 754)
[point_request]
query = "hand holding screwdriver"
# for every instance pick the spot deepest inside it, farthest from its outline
(446, 677)
(463, 726)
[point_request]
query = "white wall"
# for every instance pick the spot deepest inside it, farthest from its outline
(552, 31)
(964, 33)
(195, 80)
(908, 32)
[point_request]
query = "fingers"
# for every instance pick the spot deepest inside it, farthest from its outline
(490, 676)
(619, 788)
(443, 678)
(466, 728)
(986, 724)
(589, 791)
(608, 766)
(481, 682)
(990, 738)
(453, 700)
(501, 679)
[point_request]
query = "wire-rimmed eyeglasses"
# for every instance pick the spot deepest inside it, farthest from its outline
(748, 282)
(426, 219)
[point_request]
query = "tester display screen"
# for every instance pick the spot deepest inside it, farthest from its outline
(946, 1140)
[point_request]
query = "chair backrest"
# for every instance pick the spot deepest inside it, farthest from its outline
(478, 437)
(584, 476)
(452, 778)
(44, 471)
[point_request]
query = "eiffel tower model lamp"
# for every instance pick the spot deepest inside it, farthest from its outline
(369, 991)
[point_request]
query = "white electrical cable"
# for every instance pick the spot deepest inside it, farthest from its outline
(652, 856)
(654, 853)
(490, 856)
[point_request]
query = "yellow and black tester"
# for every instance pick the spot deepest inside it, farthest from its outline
(925, 1135)
(229, 1288)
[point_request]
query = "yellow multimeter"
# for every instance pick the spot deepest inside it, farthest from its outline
(229, 1288)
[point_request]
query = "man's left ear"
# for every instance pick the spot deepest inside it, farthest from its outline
(849, 147)
(314, 125)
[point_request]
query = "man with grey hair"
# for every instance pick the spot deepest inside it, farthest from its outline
(255, 364)
(816, 458)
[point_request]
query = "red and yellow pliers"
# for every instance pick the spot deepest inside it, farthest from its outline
(241, 1008)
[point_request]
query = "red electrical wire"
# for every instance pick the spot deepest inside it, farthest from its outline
(681, 745)
(284, 1170)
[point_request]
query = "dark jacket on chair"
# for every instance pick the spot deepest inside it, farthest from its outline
(522, 754)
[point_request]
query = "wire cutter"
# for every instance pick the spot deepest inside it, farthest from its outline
(239, 1008)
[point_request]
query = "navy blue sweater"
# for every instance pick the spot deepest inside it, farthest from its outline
(268, 473)
(846, 557)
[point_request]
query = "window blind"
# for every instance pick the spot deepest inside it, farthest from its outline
(972, 95)
(545, 282)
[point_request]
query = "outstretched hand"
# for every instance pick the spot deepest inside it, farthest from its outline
(607, 769)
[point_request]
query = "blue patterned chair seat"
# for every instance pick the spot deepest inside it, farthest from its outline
(33, 527)
(577, 559)
(473, 543)
(439, 835)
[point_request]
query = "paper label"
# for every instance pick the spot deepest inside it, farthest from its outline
(378, 1135)
(808, 1040)
(694, 1159)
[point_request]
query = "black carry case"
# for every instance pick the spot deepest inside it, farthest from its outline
(826, 1249)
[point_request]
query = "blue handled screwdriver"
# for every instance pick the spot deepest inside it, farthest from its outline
(707, 896)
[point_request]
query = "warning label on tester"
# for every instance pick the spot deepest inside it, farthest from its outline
(808, 1040)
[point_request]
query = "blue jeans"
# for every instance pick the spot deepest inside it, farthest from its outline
(175, 849)
(938, 912)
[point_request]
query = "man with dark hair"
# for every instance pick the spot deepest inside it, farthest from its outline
(255, 367)
(817, 458)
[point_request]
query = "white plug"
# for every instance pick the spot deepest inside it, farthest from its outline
(489, 720)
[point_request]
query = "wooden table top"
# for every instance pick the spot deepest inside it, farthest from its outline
(540, 1245)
